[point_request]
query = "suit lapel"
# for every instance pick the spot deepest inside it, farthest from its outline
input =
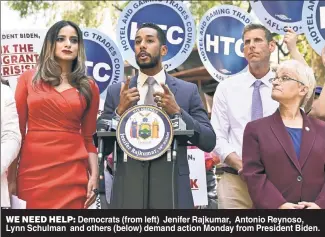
(307, 140)
(171, 82)
(284, 139)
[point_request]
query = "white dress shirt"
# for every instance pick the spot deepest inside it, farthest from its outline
(231, 110)
(160, 77)
(10, 138)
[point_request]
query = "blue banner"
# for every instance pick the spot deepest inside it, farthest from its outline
(220, 41)
(172, 16)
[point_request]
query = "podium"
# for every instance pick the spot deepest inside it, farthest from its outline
(162, 183)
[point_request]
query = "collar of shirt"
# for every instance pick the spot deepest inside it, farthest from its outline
(251, 79)
(160, 77)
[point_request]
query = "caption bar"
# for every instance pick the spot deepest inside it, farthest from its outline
(193, 223)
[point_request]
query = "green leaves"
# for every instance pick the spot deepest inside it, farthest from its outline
(26, 8)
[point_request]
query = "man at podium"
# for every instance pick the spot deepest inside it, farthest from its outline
(147, 184)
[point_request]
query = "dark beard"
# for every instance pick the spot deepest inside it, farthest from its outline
(153, 62)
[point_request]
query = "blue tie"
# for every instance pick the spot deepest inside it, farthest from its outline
(257, 106)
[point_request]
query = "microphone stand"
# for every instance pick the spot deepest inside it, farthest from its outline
(178, 124)
(174, 155)
(100, 148)
(105, 125)
(114, 157)
(113, 127)
(101, 177)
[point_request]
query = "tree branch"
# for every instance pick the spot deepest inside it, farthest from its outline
(249, 8)
(117, 7)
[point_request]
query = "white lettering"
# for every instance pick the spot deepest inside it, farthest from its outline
(169, 33)
(237, 48)
(322, 17)
(96, 70)
(214, 43)
(134, 28)
(227, 42)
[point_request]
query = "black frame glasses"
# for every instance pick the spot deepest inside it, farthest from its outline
(284, 79)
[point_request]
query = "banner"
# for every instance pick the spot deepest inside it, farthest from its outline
(20, 50)
(104, 61)
(121, 222)
(196, 162)
(313, 19)
(172, 16)
(220, 43)
(277, 15)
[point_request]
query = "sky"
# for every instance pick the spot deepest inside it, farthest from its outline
(10, 20)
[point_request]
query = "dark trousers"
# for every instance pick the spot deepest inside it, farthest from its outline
(148, 185)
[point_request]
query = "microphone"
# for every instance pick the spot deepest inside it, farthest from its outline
(100, 147)
(178, 122)
(107, 125)
(174, 153)
(114, 123)
(102, 125)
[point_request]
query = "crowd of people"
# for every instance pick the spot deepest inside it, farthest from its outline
(267, 128)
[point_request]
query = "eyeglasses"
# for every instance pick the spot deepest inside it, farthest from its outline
(284, 79)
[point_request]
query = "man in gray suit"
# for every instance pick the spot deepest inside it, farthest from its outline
(147, 184)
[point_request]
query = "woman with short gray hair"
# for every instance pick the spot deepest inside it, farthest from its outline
(283, 154)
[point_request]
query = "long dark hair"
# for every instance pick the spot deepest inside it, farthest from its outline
(49, 70)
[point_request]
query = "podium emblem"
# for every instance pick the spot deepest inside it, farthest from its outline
(144, 132)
